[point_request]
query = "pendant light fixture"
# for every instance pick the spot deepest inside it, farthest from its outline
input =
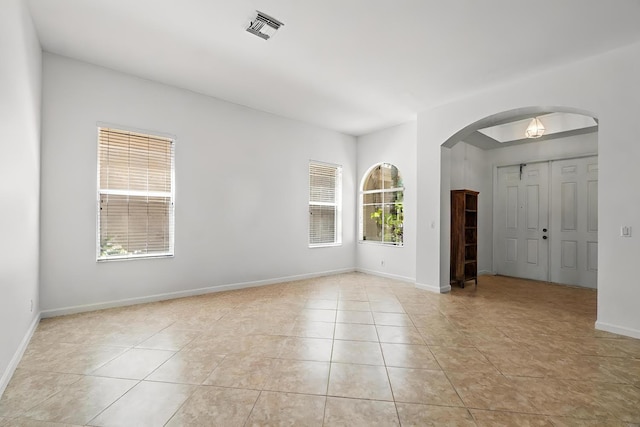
(535, 129)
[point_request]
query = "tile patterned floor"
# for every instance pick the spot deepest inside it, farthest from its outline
(343, 350)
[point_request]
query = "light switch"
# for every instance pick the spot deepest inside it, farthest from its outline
(625, 231)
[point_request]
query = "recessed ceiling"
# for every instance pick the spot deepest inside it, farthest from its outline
(353, 66)
(557, 125)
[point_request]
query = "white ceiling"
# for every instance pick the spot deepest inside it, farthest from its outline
(350, 65)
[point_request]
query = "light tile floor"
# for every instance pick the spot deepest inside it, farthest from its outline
(343, 350)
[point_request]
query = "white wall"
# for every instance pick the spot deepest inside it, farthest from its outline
(470, 170)
(241, 190)
(587, 86)
(395, 145)
(473, 168)
(20, 77)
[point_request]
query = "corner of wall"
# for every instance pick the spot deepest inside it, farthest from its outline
(620, 330)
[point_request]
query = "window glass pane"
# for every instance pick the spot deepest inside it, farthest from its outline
(372, 223)
(393, 223)
(390, 176)
(373, 181)
(370, 198)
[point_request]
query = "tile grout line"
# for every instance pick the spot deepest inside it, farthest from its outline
(386, 368)
(326, 397)
(112, 403)
(252, 408)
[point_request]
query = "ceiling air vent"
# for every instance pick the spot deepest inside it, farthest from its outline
(264, 26)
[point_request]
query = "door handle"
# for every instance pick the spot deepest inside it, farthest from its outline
(545, 237)
(544, 230)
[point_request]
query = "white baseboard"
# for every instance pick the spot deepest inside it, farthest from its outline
(386, 275)
(188, 293)
(17, 356)
(432, 288)
(620, 330)
(486, 273)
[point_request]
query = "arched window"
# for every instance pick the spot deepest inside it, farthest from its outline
(382, 205)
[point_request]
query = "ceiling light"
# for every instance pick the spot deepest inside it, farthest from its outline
(264, 26)
(535, 129)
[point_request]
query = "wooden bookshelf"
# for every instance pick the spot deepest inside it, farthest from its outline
(464, 236)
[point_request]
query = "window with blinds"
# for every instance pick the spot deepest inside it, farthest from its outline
(325, 210)
(135, 195)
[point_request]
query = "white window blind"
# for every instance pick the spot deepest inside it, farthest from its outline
(135, 194)
(325, 197)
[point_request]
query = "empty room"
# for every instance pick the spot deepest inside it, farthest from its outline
(352, 213)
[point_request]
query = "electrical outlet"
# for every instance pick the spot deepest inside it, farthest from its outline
(625, 231)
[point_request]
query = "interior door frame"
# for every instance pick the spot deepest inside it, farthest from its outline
(495, 167)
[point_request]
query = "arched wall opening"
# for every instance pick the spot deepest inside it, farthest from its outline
(605, 86)
(471, 160)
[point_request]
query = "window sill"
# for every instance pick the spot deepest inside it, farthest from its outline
(325, 245)
(132, 257)
(373, 242)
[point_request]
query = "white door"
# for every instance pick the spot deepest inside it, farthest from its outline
(521, 221)
(546, 221)
(574, 222)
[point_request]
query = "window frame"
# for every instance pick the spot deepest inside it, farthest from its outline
(383, 191)
(337, 204)
(172, 194)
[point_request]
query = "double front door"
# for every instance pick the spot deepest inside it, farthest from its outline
(546, 221)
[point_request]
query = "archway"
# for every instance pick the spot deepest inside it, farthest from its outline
(477, 170)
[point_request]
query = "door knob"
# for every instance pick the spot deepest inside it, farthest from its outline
(544, 230)
(545, 237)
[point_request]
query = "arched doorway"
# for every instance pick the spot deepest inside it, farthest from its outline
(537, 213)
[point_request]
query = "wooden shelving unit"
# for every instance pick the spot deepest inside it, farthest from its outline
(464, 236)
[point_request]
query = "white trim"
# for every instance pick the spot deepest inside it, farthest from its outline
(382, 190)
(137, 193)
(324, 245)
(17, 356)
(386, 275)
(134, 256)
(433, 288)
(381, 243)
(188, 293)
(620, 330)
(486, 273)
(126, 128)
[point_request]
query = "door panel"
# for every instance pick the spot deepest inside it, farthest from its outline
(521, 212)
(574, 221)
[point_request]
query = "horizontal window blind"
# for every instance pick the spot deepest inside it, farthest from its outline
(135, 190)
(324, 204)
(322, 225)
